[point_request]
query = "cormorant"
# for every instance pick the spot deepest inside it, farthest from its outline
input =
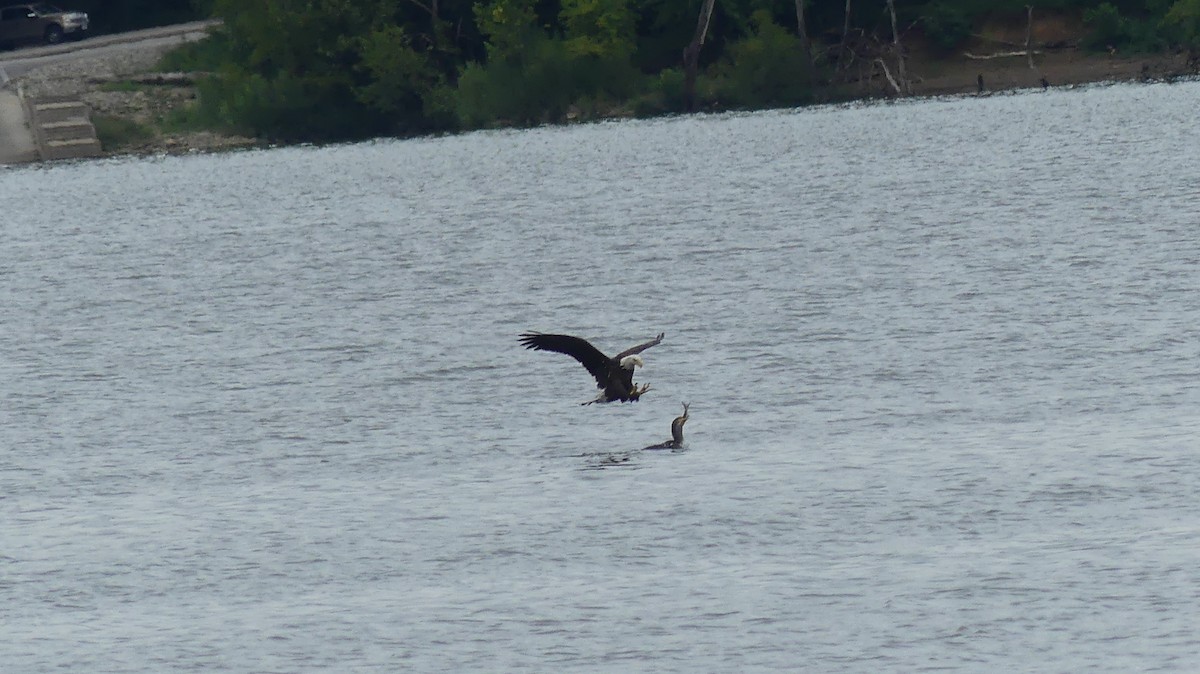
(676, 441)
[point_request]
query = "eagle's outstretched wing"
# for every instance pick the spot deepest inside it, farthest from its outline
(576, 347)
(640, 347)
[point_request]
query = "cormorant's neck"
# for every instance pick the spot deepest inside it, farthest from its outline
(677, 430)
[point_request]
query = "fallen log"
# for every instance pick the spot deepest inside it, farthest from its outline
(891, 80)
(153, 79)
(1000, 55)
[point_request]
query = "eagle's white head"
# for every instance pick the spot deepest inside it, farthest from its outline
(630, 362)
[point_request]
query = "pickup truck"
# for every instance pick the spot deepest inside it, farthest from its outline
(39, 21)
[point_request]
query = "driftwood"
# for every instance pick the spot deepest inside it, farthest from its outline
(901, 70)
(888, 74)
(1028, 52)
(691, 55)
(866, 59)
(1000, 55)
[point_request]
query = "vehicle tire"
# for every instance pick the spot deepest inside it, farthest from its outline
(54, 34)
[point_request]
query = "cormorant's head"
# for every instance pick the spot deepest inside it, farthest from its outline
(630, 362)
(677, 426)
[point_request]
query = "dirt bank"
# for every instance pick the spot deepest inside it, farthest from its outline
(1054, 39)
(1059, 67)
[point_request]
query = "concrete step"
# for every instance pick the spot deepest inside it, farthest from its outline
(59, 111)
(64, 130)
(71, 149)
(72, 129)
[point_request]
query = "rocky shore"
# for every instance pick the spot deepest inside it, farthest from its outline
(122, 88)
(125, 92)
(1059, 67)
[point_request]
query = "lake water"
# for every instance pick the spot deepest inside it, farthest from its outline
(267, 412)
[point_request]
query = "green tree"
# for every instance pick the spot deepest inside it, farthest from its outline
(291, 70)
(600, 38)
(329, 69)
(510, 27)
(1184, 16)
(599, 28)
(401, 80)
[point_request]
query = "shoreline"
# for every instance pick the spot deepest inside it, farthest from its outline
(1065, 67)
(124, 91)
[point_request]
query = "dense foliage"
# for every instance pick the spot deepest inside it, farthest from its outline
(333, 69)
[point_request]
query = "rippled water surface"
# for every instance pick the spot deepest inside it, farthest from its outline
(266, 411)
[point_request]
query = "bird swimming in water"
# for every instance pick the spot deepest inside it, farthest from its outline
(614, 376)
(676, 441)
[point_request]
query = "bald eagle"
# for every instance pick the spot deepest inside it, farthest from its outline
(614, 376)
(676, 441)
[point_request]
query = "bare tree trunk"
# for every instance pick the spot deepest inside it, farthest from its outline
(845, 37)
(888, 74)
(691, 56)
(1029, 34)
(802, 32)
(900, 69)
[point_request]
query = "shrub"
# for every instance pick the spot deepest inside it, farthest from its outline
(1110, 30)
(663, 94)
(438, 107)
(185, 118)
(115, 133)
(1183, 19)
(546, 81)
(399, 78)
(768, 68)
(285, 107)
(670, 84)
(528, 93)
(1107, 27)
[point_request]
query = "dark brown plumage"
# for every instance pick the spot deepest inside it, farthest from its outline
(614, 376)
